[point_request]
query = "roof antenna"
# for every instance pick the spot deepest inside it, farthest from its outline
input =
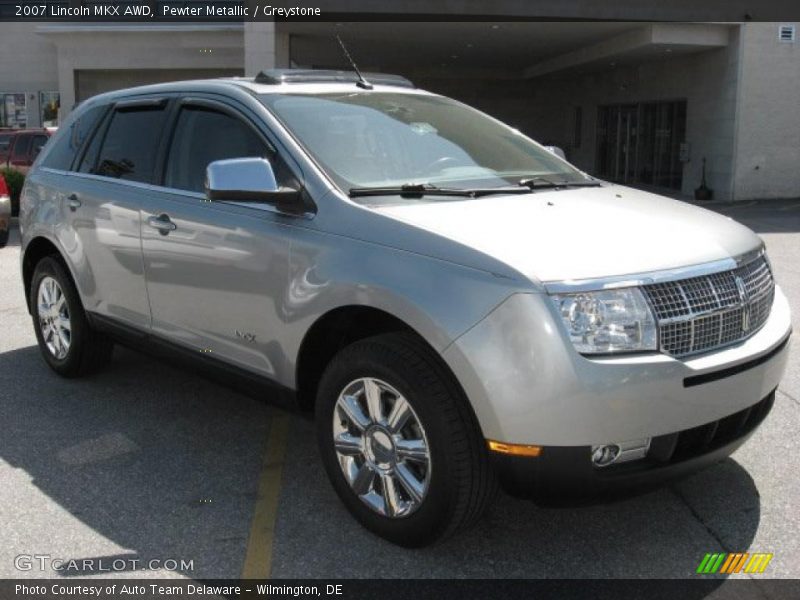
(362, 83)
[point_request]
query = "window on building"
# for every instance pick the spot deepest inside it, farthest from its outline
(70, 142)
(131, 143)
(49, 103)
(203, 136)
(13, 112)
(786, 33)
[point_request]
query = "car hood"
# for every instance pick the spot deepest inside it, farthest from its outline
(582, 233)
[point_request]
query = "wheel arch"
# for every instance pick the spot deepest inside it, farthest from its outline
(37, 249)
(338, 328)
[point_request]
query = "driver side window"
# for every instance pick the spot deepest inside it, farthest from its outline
(203, 135)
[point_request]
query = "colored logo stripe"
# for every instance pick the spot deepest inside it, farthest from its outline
(758, 563)
(703, 564)
(729, 563)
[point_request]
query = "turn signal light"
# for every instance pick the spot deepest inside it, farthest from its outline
(514, 449)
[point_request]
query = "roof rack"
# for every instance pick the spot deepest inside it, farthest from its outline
(278, 76)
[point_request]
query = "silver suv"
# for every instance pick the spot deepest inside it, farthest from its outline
(458, 305)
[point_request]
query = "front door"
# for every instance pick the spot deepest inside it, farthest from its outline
(216, 272)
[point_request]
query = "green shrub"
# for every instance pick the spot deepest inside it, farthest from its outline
(14, 181)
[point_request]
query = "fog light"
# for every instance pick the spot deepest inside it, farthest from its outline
(621, 452)
(602, 456)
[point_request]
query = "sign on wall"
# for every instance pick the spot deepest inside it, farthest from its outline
(14, 111)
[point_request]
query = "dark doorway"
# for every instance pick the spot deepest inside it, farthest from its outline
(617, 139)
(640, 143)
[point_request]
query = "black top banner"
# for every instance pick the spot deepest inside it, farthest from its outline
(166, 11)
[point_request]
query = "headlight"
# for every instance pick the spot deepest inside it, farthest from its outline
(607, 321)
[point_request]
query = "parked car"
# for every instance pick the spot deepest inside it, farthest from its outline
(5, 212)
(5, 143)
(24, 145)
(457, 304)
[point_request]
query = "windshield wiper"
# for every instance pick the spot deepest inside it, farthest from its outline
(426, 189)
(538, 182)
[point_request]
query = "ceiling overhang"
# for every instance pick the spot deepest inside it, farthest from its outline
(649, 42)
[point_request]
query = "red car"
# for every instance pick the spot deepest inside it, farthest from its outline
(20, 147)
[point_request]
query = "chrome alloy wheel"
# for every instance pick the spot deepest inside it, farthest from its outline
(54, 317)
(381, 447)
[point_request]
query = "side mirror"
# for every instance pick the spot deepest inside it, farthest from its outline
(557, 151)
(250, 180)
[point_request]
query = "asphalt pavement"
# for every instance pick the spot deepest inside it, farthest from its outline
(148, 463)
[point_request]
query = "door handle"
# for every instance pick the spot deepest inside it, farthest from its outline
(73, 202)
(162, 223)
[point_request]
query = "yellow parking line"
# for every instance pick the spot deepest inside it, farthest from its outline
(258, 558)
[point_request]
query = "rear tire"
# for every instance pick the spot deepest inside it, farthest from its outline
(4, 237)
(433, 478)
(66, 340)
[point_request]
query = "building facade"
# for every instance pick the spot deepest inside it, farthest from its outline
(651, 105)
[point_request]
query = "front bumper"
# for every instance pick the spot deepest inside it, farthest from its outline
(527, 385)
(566, 475)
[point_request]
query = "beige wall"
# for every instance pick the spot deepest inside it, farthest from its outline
(27, 64)
(81, 60)
(767, 155)
(180, 48)
(264, 47)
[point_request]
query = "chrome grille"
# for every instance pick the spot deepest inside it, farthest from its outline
(704, 313)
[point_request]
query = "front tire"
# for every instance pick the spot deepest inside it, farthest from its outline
(66, 340)
(399, 442)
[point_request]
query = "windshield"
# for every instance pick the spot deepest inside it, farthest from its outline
(384, 140)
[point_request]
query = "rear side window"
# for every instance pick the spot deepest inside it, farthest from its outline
(38, 143)
(203, 136)
(70, 142)
(21, 147)
(5, 142)
(89, 159)
(130, 145)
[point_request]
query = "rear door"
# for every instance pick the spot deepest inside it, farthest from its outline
(103, 200)
(217, 272)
